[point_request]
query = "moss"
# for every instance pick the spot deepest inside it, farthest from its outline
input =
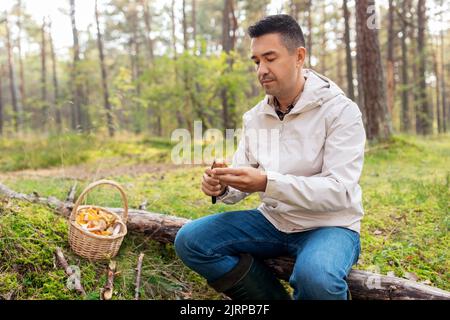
(30, 234)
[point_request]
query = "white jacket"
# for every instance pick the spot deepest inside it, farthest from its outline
(316, 161)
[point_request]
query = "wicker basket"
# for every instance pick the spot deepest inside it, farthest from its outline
(92, 246)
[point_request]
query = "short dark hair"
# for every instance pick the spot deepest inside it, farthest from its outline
(290, 31)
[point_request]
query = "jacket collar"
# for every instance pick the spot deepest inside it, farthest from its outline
(317, 90)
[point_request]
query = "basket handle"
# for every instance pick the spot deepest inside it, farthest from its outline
(96, 184)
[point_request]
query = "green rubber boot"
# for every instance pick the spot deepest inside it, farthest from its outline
(250, 280)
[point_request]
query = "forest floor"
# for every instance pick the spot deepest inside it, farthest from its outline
(405, 231)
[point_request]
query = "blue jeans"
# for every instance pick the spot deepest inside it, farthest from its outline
(324, 256)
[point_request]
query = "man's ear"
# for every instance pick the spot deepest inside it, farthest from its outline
(301, 56)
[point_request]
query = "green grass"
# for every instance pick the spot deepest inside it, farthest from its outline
(406, 194)
(72, 149)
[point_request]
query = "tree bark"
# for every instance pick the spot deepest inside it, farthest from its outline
(390, 60)
(424, 117)
(134, 53)
(178, 114)
(173, 32)
(413, 61)
(309, 43)
(77, 90)
(107, 104)
(229, 28)
(194, 24)
(1, 98)
(19, 47)
(378, 122)
(405, 116)
(184, 23)
(148, 29)
(56, 107)
(348, 53)
(45, 113)
(438, 93)
(363, 285)
(445, 108)
(323, 33)
(17, 108)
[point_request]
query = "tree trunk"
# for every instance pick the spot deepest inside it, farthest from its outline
(56, 107)
(372, 80)
(173, 28)
(187, 101)
(339, 65)
(148, 29)
(445, 108)
(1, 98)
(17, 108)
(107, 104)
(360, 97)
(45, 113)
(413, 61)
(438, 94)
(194, 24)
(390, 60)
(309, 43)
(159, 124)
(424, 117)
(76, 85)
(295, 7)
(132, 20)
(184, 23)
(405, 116)
(348, 53)
(163, 228)
(229, 28)
(323, 33)
(19, 47)
(178, 115)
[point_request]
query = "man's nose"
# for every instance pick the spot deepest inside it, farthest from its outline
(262, 69)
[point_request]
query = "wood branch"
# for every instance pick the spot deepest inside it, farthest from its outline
(71, 193)
(143, 205)
(163, 228)
(138, 276)
(69, 271)
(107, 291)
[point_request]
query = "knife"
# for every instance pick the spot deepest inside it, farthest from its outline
(213, 198)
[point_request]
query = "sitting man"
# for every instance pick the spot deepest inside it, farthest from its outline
(310, 197)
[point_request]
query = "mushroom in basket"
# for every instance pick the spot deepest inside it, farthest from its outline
(98, 222)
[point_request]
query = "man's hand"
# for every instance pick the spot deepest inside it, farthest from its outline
(212, 186)
(246, 179)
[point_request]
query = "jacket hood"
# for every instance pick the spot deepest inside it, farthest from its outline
(318, 90)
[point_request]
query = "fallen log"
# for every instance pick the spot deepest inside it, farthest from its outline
(163, 228)
(365, 285)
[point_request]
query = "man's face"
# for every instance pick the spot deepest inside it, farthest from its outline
(276, 67)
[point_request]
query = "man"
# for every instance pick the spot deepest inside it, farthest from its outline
(311, 200)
